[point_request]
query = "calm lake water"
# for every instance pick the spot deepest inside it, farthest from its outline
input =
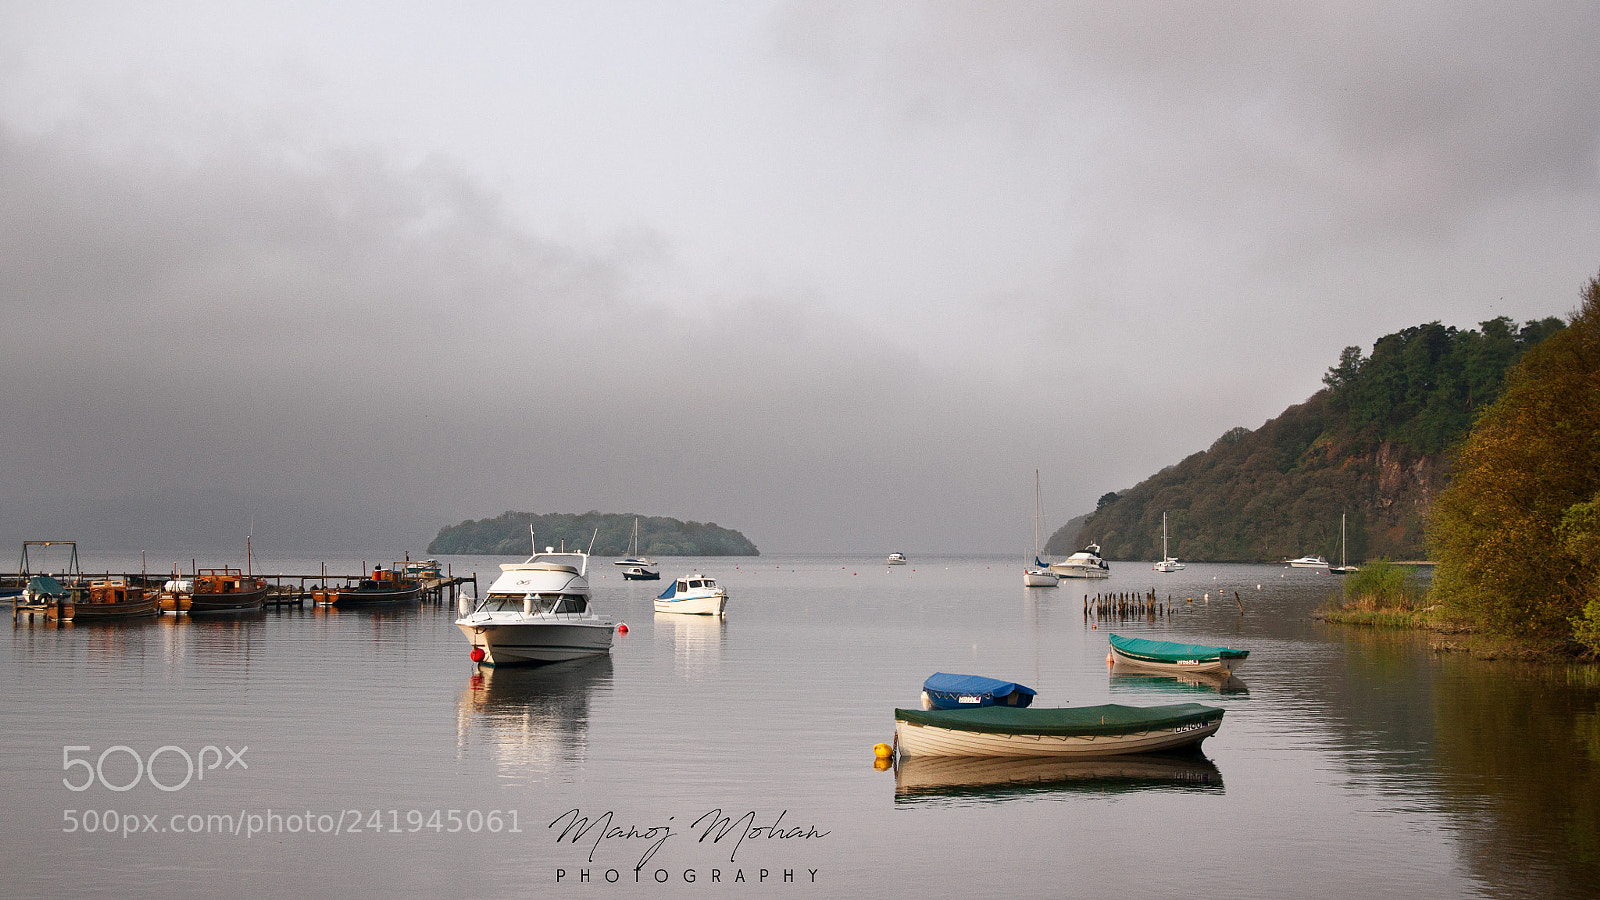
(349, 745)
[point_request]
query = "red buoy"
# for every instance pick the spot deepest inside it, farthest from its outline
(478, 654)
(623, 628)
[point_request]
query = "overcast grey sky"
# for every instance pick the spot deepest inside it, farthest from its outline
(838, 275)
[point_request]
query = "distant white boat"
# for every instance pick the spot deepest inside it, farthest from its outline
(1086, 563)
(537, 611)
(695, 595)
(897, 559)
(1307, 562)
(1167, 563)
(1039, 575)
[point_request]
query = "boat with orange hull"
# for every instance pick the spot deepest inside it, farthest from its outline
(224, 590)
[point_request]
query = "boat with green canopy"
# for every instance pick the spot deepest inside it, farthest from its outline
(1082, 731)
(1167, 656)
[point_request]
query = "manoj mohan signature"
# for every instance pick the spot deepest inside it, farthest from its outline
(714, 825)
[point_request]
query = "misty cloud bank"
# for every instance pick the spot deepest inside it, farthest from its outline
(877, 265)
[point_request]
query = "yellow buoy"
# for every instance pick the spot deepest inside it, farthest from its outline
(882, 751)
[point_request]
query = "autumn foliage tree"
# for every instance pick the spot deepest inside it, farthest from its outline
(1516, 534)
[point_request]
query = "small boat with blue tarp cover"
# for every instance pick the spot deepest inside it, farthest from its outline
(1081, 731)
(1166, 656)
(697, 595)
(946, 691)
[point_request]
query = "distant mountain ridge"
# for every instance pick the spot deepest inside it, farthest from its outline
(507, 535)
(1372, 446)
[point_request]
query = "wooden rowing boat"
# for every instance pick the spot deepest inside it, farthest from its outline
(1166, 656)
(1083, 731)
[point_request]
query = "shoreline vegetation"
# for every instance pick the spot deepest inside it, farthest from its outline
(1386, 594)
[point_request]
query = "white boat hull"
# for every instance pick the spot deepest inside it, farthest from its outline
(928, 740)
(505, 643)
(709, 605)
(1040, 578)
(1066, 571)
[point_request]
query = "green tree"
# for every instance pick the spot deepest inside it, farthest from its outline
(1514, 534)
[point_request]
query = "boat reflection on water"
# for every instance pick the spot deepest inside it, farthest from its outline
(531, 720)
(696, 642)
(1124, 680)
(990, 778)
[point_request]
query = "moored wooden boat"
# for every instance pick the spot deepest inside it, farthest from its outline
(385, 586)
(1082, 731)
(943, 690)
(1167, 656)
(223, 590)
(112, 598)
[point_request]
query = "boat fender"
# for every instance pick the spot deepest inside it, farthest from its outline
(464, 604)
(622, 628)
(478, 654)
(1110, 659)
(527, 605)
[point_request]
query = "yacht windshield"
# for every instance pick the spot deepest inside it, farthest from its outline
(543, 604)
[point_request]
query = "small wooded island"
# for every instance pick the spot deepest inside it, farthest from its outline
(507, 535)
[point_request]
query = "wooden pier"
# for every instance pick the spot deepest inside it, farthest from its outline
(283, 591)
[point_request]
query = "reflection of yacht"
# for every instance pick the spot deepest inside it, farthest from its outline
(696, 595)
(1086, 563)
(537, 611)
(534, 719)
(923, 778)
(695, 643)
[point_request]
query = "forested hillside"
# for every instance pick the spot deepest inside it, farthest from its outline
(1373, 445)
(507, 535)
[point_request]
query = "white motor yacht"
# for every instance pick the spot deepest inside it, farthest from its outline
(695, 595)
(1307, 562)
(897, 559)
(537, 611)
(1086, 563)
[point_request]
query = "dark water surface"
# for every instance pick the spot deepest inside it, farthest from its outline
(1351, 762)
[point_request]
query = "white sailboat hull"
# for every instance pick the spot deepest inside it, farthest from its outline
(1040, 578)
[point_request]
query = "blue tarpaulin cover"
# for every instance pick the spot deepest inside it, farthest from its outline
(947, 691)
